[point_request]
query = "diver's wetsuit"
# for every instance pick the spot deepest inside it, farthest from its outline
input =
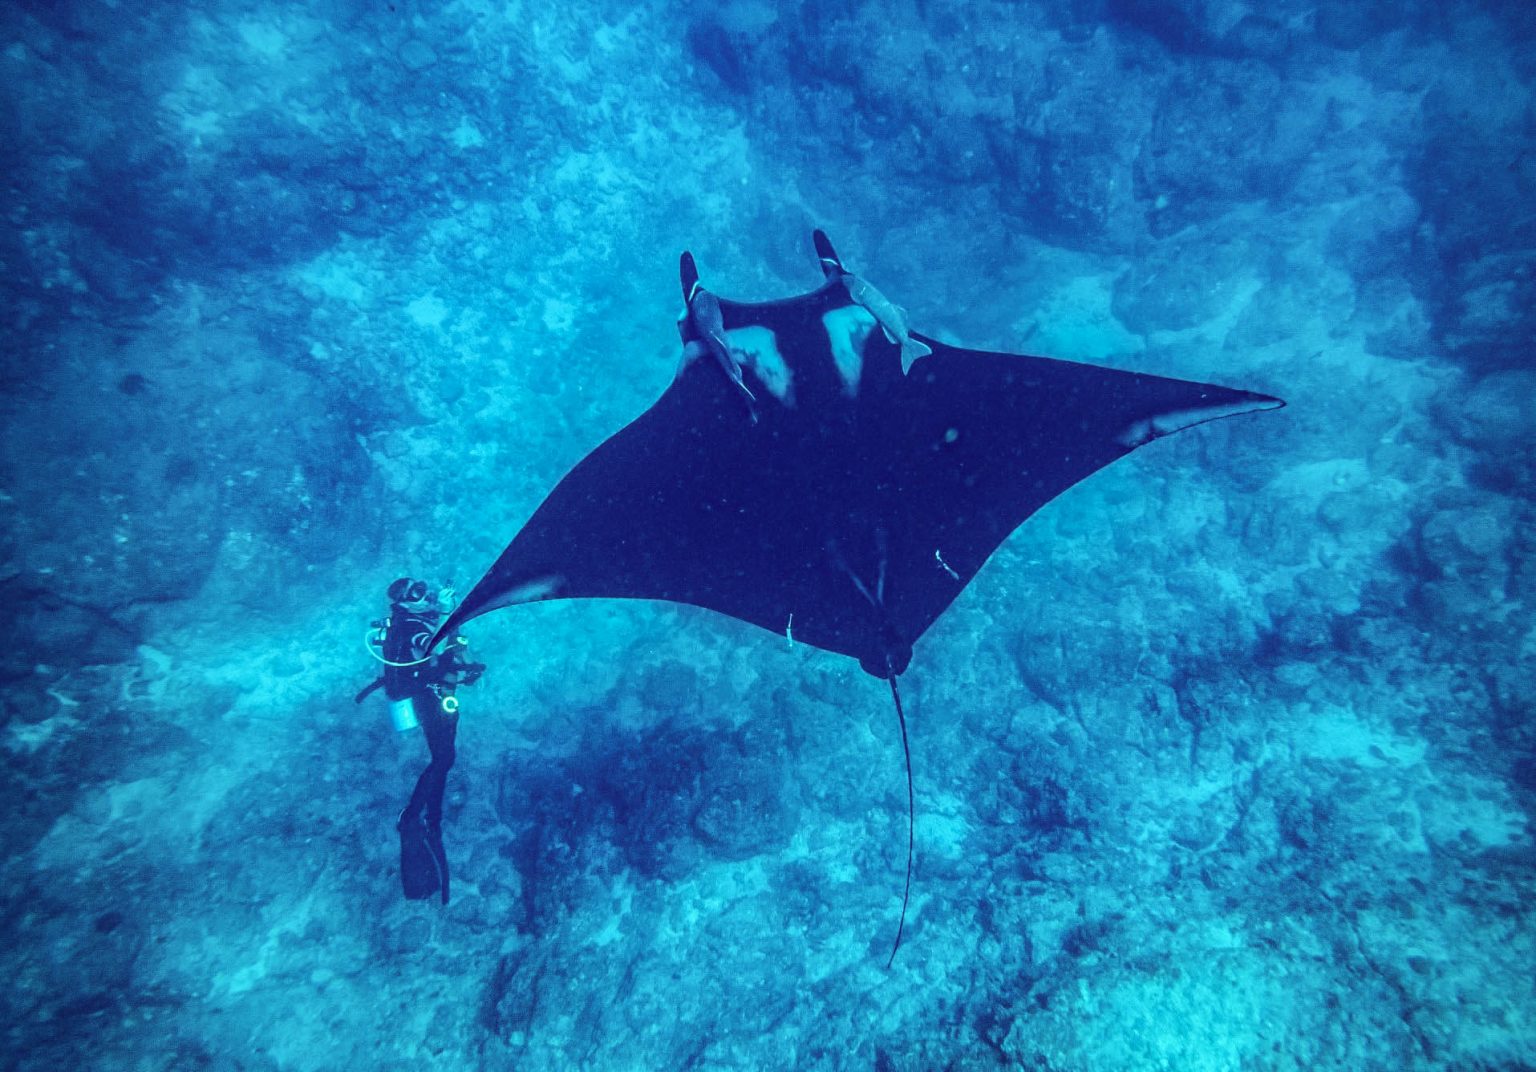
(428, 686)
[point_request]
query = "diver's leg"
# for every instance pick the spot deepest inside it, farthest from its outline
(423, 870)
(441, 729)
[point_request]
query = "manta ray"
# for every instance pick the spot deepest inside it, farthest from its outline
(820, 470)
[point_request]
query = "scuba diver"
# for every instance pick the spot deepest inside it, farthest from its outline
(420, 688)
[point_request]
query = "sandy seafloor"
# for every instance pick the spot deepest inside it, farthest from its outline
(1225, 761)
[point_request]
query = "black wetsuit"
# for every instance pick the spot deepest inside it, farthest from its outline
(428, 686)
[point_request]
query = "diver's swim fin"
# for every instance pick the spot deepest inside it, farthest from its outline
(423, 863)
(439, 854)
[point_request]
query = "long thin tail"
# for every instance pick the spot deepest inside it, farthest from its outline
(906, 752)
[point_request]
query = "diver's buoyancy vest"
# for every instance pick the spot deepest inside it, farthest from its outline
(405, 639)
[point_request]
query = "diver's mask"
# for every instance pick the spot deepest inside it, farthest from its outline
(417, 597)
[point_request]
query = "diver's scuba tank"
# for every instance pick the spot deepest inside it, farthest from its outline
(402, 715)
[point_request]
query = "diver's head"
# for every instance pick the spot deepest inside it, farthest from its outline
(417, 597)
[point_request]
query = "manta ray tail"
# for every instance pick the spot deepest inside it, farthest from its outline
(906, 752)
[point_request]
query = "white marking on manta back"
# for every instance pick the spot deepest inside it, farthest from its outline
(1161, 424)
(848, 329)
(692, 351)
(757, 348)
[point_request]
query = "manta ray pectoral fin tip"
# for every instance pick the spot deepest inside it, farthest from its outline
(1166, 423)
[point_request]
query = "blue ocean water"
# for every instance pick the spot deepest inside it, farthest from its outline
(1226, 759)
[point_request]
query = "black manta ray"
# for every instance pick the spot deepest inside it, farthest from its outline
(817, 469)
